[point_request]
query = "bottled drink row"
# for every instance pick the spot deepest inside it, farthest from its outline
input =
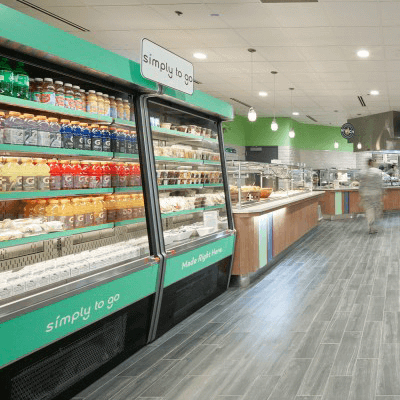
(79, 212)
(30, 130)
(16, 83)
(27, 174)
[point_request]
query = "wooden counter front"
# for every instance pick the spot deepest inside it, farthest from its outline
(339, 202)
(263, 235)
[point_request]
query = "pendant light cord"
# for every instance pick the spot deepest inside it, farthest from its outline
(251, 66)
(274, 96)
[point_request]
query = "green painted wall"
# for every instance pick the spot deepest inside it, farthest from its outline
(241, 132)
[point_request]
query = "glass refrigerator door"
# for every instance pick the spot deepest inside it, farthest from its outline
(189, 175)
(71, 202)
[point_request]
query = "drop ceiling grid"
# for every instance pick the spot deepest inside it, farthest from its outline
(312, 46)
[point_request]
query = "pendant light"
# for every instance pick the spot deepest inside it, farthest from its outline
(291, 132)
(252, 115)
(336, 145)
(359, 146)
(274, 125)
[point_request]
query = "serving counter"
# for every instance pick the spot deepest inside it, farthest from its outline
(266, 231)
(346, 202)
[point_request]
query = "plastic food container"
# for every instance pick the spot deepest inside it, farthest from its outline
(166, 125)
(182, 128)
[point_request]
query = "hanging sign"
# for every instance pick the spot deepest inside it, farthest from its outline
(166, 68)
(347, 131)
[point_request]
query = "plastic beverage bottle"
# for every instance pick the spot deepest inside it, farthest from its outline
(29, 181)
(53, 210)
(2, 126)
(77, 97)
(6, 78)
(127, 110)
(96, 138)
(77, 134)
(103, 215)
(114, 140)
(128, 142)
(95, 175)
(37, 94)
(100, 103)
(111, 208)
(55, 133)
(67, 215)
(105, 139)
(69, 96)
(31, 88)
(48, 92)
(128, 207)
(83, 99)
(79, 212)
(67, 181)
(107, 104)
(122, 172)
(76, 174)
(135, 149)
(97, 211)
(29, 205)
(12, 175)
(113, 107)
(42, 174)
(21, 82)
(60, 93)
(88, 210)
(85, 175)
(122, 140)
(86, 135)
(130, 181)
(114, 174)
(55, 174)
(91, 102)
(120, 108)
(105, 174)
(40, 209)
(67, 138)
(14, 128)
(137, 174)
(31, 130)
(43, 131)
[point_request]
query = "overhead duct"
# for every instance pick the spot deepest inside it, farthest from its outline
(378, 132)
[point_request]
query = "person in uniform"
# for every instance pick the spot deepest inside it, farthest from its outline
(371, 192)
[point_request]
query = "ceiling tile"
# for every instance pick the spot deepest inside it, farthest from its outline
(391, 35)
(375, 53)
(264, 36)
(323, 53)
(315, 36)
(328, 66)
(357, 36)
(276, 53)
(217, 37)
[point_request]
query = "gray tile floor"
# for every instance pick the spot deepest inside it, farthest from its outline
(324, 324)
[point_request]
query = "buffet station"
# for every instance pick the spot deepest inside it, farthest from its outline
(274, 207)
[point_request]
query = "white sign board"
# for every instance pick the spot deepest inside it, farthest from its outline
(166, 68)
(210, 219)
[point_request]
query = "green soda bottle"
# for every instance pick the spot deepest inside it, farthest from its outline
(21, 82)
(6, 78)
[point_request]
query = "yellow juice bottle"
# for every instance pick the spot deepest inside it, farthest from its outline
(79, 213)
(67, 215)
(53, 210)
(29, 182)
(88, 210)
(42, 173)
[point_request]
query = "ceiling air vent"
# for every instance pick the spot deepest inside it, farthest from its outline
(289, 1)
(361, 100)
(55, 16)
(240, 102)
(312, 119)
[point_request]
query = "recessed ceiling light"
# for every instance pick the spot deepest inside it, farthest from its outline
(363, 53)
(200, 56)
(374, 92)
(263, 94)
(295, 113)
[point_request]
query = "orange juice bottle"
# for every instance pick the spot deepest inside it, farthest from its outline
(79, 212)
(67, 215)
(29, 206)
(111, 208)
(53, 210)
(40, 209)
(98, 211)
(88, 210)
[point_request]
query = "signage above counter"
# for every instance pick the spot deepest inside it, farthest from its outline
(165, 67)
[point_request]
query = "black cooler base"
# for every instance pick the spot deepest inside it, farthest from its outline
(63, 369)
(186, 296)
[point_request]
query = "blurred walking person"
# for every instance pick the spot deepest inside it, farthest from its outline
(371, 192)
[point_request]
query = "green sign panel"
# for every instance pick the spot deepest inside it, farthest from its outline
(186, 264)
(29, 332)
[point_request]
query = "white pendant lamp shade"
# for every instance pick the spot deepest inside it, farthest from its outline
(291, 134)
(252, 115)
(336, 145)
(274, 125)
(359, 146)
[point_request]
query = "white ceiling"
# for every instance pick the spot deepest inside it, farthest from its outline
(312, 46)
